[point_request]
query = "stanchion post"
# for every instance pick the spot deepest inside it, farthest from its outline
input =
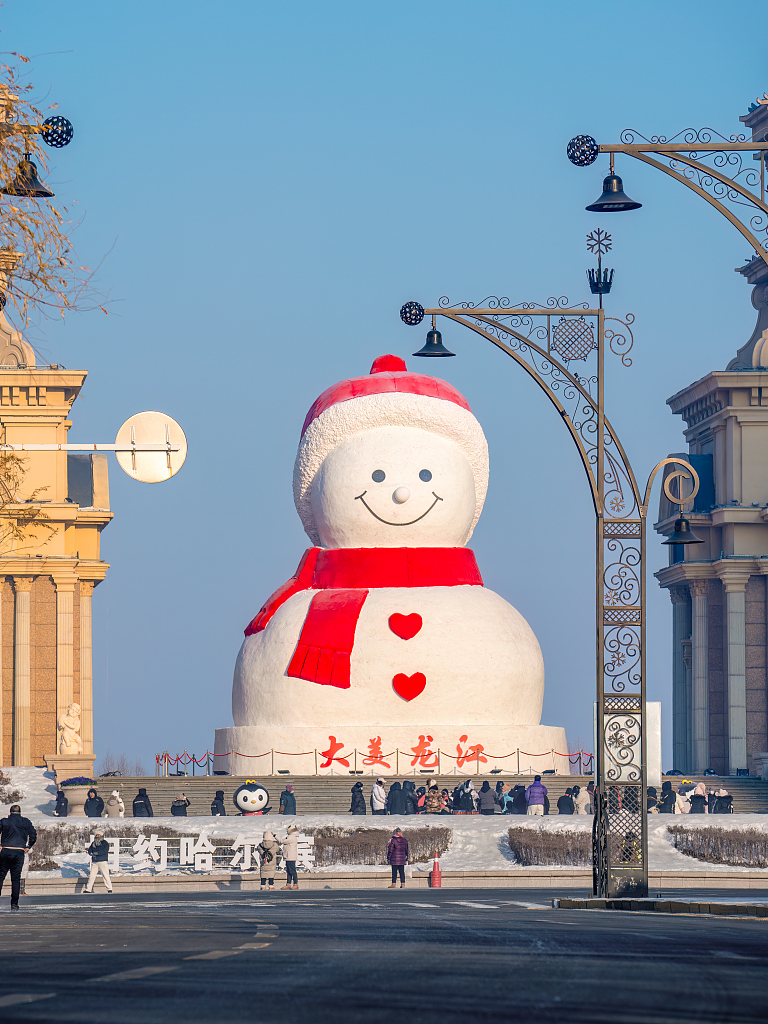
(518, 760)
(438, 760)
(273, 762)
(315, 762)
(554, 766)
(478, 761)
(355, 760)
(185, 763)
(397, 761)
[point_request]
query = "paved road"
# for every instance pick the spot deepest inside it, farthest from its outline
(338, 957)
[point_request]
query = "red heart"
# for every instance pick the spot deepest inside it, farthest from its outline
(409, 687)
(405, 626)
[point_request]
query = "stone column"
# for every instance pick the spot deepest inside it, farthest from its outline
(735, 585)
(699, 675)
(688, 658)
(86, 666)
(679, 597)
(22, 752)
(65, 672)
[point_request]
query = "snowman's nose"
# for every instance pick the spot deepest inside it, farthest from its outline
(401, 495)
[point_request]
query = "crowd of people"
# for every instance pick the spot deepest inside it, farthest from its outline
(407, 798)
(689, 798)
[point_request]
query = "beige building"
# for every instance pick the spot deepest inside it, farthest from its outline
(719, 588)
(48, 569)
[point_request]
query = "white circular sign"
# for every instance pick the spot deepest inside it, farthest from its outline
(156, 429)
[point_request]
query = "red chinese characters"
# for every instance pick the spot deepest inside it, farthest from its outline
(375, 755)
(330, 754)
(472, 753)
(424, 756)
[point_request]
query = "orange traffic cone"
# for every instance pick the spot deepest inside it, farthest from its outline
(435, 878)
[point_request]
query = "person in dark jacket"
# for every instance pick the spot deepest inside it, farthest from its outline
(565, 804)
(397, 857)
(699, 802)
(99, 851)
(62, 805)
(217, 804)
(411, 800)
(396, 799)
(651, 800)
(421, 799)
(667, 801)
(179, 806)
(94, 805)
(287, 800)
(358, 799)
(488, 799)
(17, 836)
(519, 803)
(142, 808)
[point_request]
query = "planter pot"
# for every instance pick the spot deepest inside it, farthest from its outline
(76, 797)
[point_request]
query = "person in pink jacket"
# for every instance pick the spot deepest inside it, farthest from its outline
(397, 857)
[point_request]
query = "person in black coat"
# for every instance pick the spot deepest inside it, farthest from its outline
(17, 835)
(651, 799)
(411, 799)
(62, 805)
(565, 803)
(217, 804)
(667, 801)
(396, 799)
(94, 805)
(142, 808)
(179, 806)
(519, 803)
(288, 800)
(358, 800)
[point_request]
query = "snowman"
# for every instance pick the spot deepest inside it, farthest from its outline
(384, 651)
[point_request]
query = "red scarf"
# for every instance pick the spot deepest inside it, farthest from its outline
(343, 577)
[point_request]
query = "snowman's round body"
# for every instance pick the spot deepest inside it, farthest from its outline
(428, 667)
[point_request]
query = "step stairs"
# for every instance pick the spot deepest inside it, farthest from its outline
(330, 794)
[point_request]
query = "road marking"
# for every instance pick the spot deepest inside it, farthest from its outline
(215, 954)
(255, 945)
(429, 906)
(22, 997)
(522, 903)
(478, 906)
(138, 972)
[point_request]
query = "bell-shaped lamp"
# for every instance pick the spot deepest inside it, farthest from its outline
(26, 182)
(614, 199)
(434, 345)
(682, 534)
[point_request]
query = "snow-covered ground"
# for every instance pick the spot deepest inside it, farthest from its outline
(477, 843)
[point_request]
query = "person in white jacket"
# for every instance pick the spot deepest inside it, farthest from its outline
(581, 801)
(290, 856)
(682, 802)
(114, 807)
(379, 797)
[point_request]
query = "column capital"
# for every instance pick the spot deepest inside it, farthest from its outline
(23, 584)
(734, 580)
(64, 584)
(87, 587)
(698, 588)
(678, 594)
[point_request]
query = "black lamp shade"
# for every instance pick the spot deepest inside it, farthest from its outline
(614, 199)
(682, 534)
(434, 345)
(26, 182)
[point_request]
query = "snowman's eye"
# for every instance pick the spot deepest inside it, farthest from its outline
(378, 475)
(425, 475)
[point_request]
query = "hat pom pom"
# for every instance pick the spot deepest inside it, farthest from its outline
(389, 364)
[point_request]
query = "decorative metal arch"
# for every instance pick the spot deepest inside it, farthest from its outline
(525, 333)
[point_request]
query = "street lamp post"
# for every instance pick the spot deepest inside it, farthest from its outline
(544, 339)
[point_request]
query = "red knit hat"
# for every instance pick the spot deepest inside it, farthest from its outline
(388, 374)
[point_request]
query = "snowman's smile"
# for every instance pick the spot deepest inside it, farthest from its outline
(361, 497)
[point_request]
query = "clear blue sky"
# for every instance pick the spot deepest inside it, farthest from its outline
(269, 183)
